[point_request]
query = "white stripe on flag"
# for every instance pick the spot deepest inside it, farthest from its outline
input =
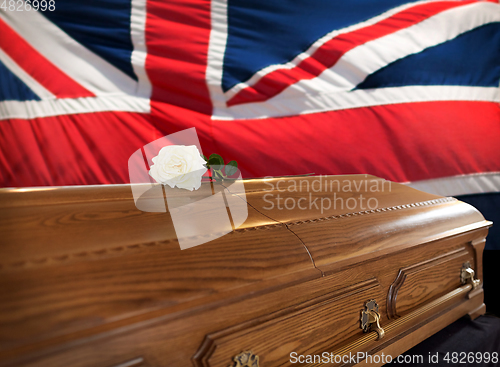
(313, 103)
(478, 183)
(65, 106)
(138, 30)
(216, 50)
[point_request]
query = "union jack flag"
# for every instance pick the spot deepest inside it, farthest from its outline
(408, 91)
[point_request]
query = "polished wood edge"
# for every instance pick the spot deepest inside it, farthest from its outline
(475, 313)
(374, 211)
(57, 195)
(473, 293)
(393, 293)
(136, 362)
(404, 272)
(344, 264)
(478, 246)
(72, 194)
(62, 195)
(208, 346)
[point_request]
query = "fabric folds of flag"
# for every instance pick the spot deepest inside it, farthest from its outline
(408, 91)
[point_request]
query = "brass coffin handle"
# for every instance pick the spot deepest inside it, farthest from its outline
(467, 276)
(246, 359)
(370, 319)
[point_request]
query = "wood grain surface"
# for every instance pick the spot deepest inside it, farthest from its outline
(87, 279)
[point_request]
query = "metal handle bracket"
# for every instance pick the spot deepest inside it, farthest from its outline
(467, 275)
(370, 319)
(246, 359)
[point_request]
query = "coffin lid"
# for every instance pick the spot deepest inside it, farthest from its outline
(91, 217)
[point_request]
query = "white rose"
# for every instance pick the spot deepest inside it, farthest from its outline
(179, 165)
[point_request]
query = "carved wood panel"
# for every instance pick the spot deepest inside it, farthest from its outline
(424, 281)
(315, 325)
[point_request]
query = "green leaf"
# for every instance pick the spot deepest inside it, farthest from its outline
(215, 160)
(231, 168)
(218, 176)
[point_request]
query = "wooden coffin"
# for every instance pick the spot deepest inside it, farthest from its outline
(87, 279)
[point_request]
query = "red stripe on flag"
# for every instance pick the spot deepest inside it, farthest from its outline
(405, 142)
(89, 148)
(331, 51)
(80, 149)
(176, 64)
(38, 67)
(400, 142)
